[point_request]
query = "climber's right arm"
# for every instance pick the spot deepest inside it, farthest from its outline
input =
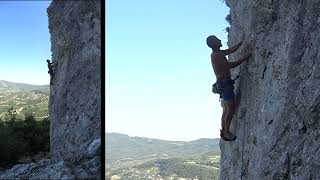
(231, 65)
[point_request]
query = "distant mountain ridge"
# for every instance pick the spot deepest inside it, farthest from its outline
(145, 158)
(123, 146)
(7, 85)
(24, 98)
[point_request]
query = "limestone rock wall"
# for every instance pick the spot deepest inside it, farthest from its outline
(75, 96)
(277, 121)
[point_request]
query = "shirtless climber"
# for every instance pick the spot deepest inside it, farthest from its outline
(221, 69)
(51, 72)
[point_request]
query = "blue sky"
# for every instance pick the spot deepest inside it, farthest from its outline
(25, 41)
(158, 70)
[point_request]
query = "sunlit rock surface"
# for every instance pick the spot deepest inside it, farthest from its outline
(277, 122)
(75, 97)
(45, 169)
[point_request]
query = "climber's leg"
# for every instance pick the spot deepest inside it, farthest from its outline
(223, 122)
(231, 105)
(224, 112)
(51, 78)
(225, 134)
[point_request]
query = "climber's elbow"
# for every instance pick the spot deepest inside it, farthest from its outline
(231, 65)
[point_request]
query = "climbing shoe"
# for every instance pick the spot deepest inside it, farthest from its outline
(228, 136)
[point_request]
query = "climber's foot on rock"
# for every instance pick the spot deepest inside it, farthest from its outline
(227, 136)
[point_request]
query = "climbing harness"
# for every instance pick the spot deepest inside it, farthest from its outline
(217, 90)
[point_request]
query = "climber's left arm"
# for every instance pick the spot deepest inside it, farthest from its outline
(54, 63)
(231, 65)
(232, 49)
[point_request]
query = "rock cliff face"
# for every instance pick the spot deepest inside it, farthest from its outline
(75, 96)
(277, 121)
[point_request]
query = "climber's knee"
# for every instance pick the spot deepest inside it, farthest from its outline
(224, 108)
(231, 106)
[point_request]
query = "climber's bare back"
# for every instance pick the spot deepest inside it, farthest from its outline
(219, 64)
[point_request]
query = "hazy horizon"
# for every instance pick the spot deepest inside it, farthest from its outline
(157, 138)
(26, 83)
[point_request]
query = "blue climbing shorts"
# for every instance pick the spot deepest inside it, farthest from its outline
(225, 88)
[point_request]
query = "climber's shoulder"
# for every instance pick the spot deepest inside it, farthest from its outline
(217, 57)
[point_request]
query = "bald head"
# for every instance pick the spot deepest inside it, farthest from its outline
(213, 42)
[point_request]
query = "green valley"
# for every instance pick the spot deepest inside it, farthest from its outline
(144, 158)
(24, 99)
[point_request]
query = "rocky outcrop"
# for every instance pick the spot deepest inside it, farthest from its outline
(75, 96)
(89, 167)
(277, 121)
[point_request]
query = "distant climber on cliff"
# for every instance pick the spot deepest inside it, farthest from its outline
(51, 72)
(221, 68)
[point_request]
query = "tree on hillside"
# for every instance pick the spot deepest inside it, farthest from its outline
(22, 138)
(11, 114)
